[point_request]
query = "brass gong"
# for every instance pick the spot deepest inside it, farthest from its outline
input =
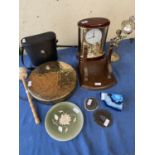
(52, 81)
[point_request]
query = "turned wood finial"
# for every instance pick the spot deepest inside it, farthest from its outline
(22, 73)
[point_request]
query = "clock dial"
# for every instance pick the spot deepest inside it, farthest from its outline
(93, 36)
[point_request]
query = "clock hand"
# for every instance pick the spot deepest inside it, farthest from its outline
(90, 37)
(93, 34)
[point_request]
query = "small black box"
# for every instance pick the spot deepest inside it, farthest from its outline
(40, 48)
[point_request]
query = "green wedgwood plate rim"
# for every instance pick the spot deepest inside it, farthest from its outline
(74, 129)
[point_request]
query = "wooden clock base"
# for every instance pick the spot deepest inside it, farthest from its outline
(104, 84)
(96, 73)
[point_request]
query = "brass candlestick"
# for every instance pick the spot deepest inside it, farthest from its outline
(127, 27)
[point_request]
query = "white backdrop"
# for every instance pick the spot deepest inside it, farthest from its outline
(61, 16)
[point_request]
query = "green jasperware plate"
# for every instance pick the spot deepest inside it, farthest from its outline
(64, 121)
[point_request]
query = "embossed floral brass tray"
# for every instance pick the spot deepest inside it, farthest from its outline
(52, 81)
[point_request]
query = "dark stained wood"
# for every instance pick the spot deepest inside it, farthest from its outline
(94, 22)
(94, 71)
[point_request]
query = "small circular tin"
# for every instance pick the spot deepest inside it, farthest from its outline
(91, 104)
(103, 118)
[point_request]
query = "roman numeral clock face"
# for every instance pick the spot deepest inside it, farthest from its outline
(93, 36)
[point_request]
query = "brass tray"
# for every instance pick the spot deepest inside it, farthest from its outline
(52, 81)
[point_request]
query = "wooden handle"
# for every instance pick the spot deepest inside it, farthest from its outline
(33, 109)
